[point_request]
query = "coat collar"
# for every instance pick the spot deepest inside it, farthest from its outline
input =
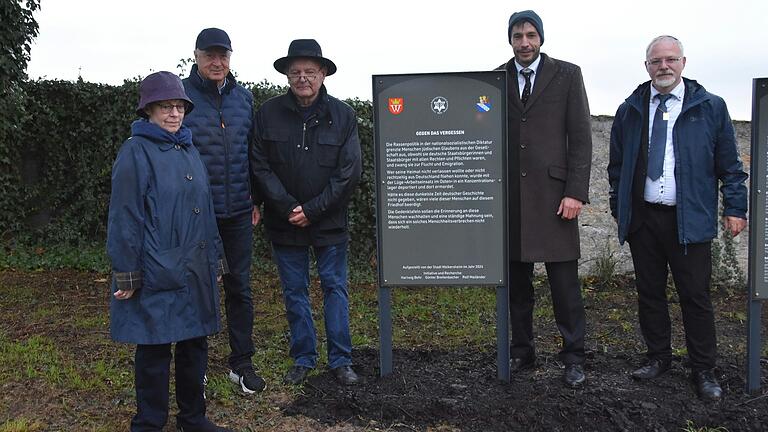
(544, 74)
(208, 85)
(695, 94)
(289, 101)
(166, 140)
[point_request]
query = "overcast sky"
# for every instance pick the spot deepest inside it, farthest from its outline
(726, 41)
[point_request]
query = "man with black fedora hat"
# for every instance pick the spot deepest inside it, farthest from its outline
(550, 153)
(306, 160)
(221, 130)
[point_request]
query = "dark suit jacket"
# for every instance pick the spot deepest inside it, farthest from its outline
(550, 155)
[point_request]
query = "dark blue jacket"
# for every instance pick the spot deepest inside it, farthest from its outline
(705, 153)
(162, 240)
(221, 127)
(315, 163)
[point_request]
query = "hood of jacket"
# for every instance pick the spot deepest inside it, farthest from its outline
(146, 129)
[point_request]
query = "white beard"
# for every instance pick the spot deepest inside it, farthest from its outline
(663, 82)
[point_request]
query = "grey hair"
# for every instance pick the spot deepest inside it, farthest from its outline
(200, 51)
(664, 38)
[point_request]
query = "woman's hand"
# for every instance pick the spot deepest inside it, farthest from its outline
(123, 294)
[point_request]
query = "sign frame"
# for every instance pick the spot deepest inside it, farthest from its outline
(385, 287)
(378, 81)
(758, 230)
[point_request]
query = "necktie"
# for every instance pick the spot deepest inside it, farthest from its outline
(527, 89)
(658, 139)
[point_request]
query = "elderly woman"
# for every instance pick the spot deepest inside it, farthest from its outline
(165, 250)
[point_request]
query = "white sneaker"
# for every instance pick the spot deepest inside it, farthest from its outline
(248, 381)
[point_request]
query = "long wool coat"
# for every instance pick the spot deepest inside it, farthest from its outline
(550, 154)
(162, 239)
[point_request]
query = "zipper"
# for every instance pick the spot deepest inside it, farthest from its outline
(226, 157)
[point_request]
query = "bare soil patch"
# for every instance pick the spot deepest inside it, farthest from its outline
(432, 389)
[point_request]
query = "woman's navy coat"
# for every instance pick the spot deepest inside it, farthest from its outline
(162, 239)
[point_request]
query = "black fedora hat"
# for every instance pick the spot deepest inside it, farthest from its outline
(304, 48)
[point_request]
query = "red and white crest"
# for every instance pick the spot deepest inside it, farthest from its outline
(395, 105)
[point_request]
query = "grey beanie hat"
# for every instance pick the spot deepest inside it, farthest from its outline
(526, 15)
(161, 86)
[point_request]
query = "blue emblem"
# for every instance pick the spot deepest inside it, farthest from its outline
(483, 105)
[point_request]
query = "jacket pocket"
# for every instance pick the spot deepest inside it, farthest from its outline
(328, 149)
(558, 173)
(165, 270)
(276, 144)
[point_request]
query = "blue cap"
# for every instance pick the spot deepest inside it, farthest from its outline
(213, 37)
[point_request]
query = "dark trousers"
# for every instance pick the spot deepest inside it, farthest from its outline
(237, 235)
(654, 246)
(567, 303)
(153, 364)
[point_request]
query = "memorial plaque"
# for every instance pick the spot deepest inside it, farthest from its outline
(440, 144)
(758, 230)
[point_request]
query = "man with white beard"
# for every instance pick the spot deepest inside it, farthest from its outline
(672, 144)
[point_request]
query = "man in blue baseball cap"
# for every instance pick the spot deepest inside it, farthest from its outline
(221, 130)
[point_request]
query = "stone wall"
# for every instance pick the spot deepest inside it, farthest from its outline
(598, 230)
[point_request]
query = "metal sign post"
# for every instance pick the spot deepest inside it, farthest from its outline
(440, 143)
(758, 230)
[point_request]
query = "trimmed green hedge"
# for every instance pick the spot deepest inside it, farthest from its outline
(56, 159)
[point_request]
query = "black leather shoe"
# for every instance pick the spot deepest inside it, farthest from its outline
(296, 375)
(517, 364)
(346, 375)
(653, 369)
(205, 426)
(706, 385)
(574, 375)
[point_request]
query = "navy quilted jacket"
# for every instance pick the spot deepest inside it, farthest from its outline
(221, 130)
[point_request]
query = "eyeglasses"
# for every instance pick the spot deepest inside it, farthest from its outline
(668, 60)
(296, 76)
(168, 108)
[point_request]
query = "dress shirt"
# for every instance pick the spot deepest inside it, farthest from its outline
(663, 190)
(521, 79)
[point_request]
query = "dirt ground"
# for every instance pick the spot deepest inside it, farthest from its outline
(431, 389)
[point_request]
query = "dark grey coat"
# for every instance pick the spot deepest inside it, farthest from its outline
(550, 154)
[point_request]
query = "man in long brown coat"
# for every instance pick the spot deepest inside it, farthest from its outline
(550, 153)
